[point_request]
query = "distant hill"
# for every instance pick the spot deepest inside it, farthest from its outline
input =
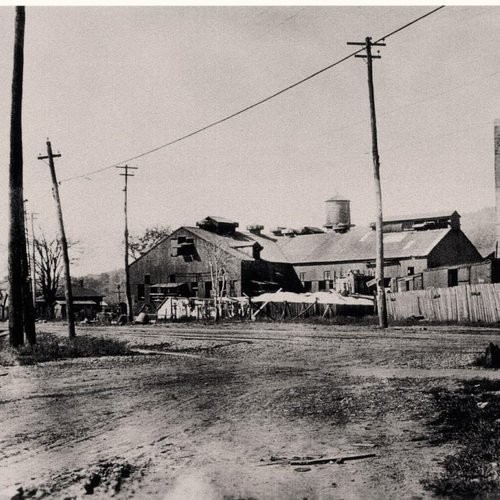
(480, 229)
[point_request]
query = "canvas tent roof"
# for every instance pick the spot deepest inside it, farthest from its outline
(310, 298)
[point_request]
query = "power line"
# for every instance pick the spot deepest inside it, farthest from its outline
(251, 106)
(414, 103)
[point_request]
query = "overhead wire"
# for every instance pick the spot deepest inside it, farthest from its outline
(253, 105)
(431, 97)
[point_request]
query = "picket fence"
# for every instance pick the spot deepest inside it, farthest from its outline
(468, 303)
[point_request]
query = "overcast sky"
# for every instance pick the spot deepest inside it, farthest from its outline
(105, 84)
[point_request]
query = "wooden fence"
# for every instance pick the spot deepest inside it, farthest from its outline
(469, 303)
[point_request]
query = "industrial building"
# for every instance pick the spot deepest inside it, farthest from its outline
(182, 264)
(420, 251)
(344, 256)
(340, 257)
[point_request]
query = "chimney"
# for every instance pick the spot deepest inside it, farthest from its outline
(497, 184)
(255, 229)
(278, 231)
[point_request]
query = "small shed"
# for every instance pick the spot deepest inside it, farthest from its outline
(86, 304)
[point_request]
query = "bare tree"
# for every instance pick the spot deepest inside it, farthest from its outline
(139, 244)
(49, 266)
(48, 270)
(217, 262)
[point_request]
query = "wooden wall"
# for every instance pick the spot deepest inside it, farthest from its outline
(163, 267)
(468, 303)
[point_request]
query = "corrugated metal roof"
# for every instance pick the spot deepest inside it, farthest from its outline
(221, 241)
(421, 216)
(359, 244)
(270, 250)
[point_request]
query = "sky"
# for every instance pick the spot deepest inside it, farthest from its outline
(108, 83)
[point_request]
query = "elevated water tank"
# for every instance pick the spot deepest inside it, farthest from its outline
(338, 213)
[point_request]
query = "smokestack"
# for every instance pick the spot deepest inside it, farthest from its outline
(497, 184)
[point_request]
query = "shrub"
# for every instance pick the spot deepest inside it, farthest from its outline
(473, 470)
(50, 348)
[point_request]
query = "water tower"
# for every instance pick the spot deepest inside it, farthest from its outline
(338, 214)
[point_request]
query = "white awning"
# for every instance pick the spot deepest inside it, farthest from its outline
(78, 302)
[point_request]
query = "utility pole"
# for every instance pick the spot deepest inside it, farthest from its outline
(28, 306)
(33, 256)
(62, 236)
(118, 292)
(20, 319)
(130, 314)
(379, 262)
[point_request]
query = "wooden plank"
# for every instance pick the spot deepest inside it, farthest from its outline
(495, 291)
(261, 307)
(485, 303)
(492, 303)
(463, 305)
(339, 459)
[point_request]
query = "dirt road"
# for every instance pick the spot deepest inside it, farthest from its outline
(203, 416)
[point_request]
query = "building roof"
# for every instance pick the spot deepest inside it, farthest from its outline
(79, 291)
(234, 244)
(359, 245)
(220, 220)
(420, 216)
(337, 197)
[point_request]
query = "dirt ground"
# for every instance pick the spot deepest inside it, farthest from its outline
(210, 411)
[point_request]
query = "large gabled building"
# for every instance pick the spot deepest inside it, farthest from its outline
(321, 259)
(345, 255)
(180, 265)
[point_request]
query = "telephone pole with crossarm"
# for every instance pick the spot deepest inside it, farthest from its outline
(62, 237)
(379, 261)
(126, 174)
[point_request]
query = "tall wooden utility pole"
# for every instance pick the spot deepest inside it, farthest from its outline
(62, 237)
(130, 313)
(19, 318)
(379, 273)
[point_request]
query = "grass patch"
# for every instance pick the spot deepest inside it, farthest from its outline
(469, 417)
(51, 348)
